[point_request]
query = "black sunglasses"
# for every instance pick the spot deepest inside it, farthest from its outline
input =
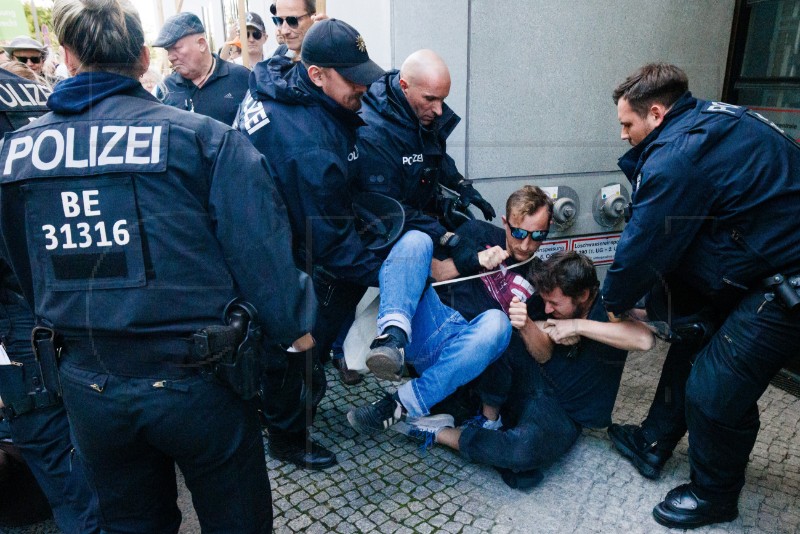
(33, 59)
(255, 33)
(536, 235)
(291, 21)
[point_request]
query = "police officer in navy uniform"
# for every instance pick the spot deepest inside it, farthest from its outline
(303, 116)
(38, 421)
(716, 190)
(130, 226)
(403, 146)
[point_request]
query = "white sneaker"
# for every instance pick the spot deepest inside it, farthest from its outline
(425, 429)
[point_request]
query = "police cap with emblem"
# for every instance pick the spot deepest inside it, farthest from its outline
(335, 44)
(177, 27)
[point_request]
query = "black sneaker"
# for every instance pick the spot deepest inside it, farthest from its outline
(377, 416)
(631, 443)
(386, 357)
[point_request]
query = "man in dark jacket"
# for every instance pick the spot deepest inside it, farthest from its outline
(303, 118)
(201, 82)
(402, 148)
(131, 226)
(705, 175)
(38, 421)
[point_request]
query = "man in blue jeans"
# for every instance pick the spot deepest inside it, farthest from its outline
(560, 374)
(444, 348)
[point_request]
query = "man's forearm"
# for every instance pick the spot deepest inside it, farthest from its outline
(537, 342)
(627, 334)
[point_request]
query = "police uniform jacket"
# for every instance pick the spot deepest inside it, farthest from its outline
(716, 191)
(309, 141)
(122, 217)
(400, 158)
(21, 101)
(219, 98)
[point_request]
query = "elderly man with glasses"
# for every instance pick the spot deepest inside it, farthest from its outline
(28, 51)
(200, 82)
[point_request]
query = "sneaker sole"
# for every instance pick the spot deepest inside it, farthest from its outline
(384, 367)
(645, 469)
(351, 418)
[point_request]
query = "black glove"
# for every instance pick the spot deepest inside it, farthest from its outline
(469, 195)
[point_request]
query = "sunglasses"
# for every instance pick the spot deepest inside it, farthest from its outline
(291, 21)
(33, 59)
(256, 34)
(536, 235)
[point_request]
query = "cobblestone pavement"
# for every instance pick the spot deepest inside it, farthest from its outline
(384, 484)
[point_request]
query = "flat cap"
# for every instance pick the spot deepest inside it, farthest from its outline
(177, 27)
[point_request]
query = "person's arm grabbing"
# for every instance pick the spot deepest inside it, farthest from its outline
(627, 334)
(537, 342)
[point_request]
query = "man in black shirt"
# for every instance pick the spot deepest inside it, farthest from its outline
(201, 81)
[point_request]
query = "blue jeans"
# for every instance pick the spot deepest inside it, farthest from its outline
(725, 383)
(538, 430)
(131, 432)
(445, 349)
(42, 436)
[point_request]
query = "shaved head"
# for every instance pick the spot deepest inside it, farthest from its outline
(425, 81)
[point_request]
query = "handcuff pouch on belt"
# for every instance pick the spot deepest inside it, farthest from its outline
(30, 386)
(233, 350)
(786, 290)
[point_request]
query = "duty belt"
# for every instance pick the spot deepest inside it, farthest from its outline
(783, 289)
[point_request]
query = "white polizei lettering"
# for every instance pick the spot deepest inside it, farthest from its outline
(41, 94)
(723, 107)
(18, 149)
(105, 159)
(88, 202)
(37, 147)
(71, 162)
(14, 94)
(156, 146)
(255, 117)
(10, 102)
(142, 146)
(134, 143)
(93, 146)
(31, 99)
(69, 201)
(413, 158)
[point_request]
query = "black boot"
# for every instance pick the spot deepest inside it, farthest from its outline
(682, 508)
(631, 443)
(301, 451)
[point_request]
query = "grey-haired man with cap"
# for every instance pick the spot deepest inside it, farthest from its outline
(303, 117)
(28, 51)
(200, 82)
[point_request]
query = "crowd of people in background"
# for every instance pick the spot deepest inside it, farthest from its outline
(294, 183)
